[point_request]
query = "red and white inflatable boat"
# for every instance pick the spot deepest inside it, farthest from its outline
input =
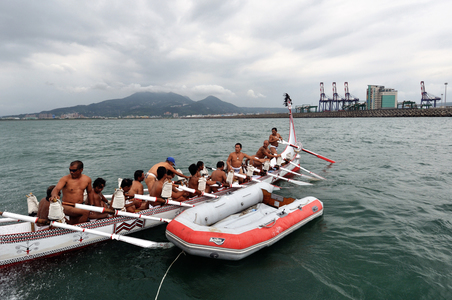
(237, 225)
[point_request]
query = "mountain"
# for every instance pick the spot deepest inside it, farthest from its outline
(156, 104)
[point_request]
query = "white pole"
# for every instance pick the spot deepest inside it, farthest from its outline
(445, 93)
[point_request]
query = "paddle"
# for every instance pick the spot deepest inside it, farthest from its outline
(154, 199)
(5, 220)
(127, 239)
(290, 180)
(295, 173)
(184, 188)
(308, 151)
(234, 185)
(115, 212)
(312, 173)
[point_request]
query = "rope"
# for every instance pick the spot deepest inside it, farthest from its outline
(158, 291)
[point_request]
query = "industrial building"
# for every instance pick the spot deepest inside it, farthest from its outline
(377, 96)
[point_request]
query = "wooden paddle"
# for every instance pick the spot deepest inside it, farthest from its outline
(115, 212)
(127, 239)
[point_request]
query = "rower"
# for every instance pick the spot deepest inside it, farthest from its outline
(73, 185)
(156, 189)
(151, 176)
(137, 187)
(43, 208)
(176, 195)
(273, 139)
(219, 176)
(235, 160)
(263, 153)
(195, 180)
(98, 199)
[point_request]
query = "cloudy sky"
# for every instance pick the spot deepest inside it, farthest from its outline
(249, 53)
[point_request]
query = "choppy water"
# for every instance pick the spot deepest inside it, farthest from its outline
(386, 232)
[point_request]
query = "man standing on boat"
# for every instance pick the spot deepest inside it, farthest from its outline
(151, 175)
(273, 139)
(73, 185)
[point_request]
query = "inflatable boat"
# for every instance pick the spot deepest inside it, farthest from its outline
(237, 225)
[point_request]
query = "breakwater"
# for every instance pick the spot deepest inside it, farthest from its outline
(374, 113)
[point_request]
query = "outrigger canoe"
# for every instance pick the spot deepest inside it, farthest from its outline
(22, 241)
(237, 225)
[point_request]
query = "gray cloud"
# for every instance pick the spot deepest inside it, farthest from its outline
(61, 53)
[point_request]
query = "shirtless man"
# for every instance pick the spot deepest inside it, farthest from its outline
(137, 187)
(273, 140)
(193, 182)
(73, 185)
(176, 195)
(151, 176)
(235, 160)
(264, 153)
(156, 190)
(98, 199)
(219, 176)
(43, 208)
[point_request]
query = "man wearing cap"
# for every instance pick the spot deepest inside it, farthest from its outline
(151, 175)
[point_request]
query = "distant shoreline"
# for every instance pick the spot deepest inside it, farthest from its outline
(375, 113)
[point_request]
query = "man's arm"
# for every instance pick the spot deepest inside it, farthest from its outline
(269, 155)
(177, 173)
(57, 189)
(89, 190)
(229, 162)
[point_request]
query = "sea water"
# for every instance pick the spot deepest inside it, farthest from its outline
(386, 232)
